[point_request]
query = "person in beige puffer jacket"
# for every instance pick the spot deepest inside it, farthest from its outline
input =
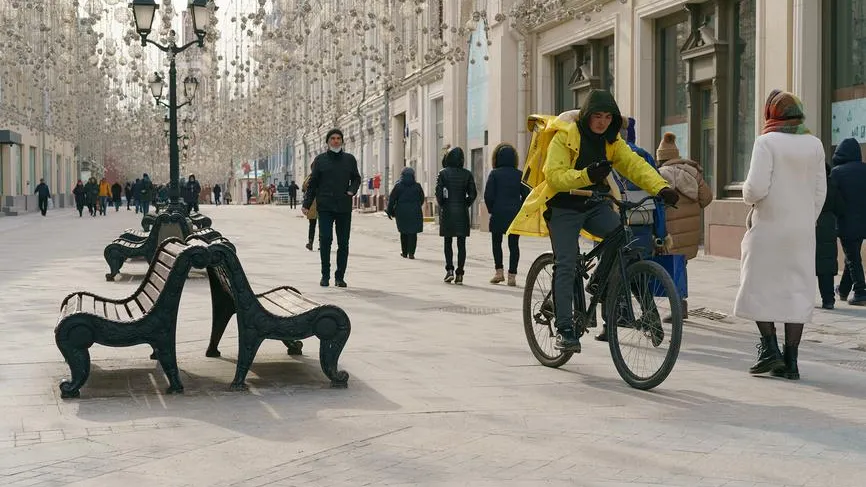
(683, 222)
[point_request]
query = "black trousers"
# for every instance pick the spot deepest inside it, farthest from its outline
(311, 234)
(852, 276)
(343, 223)
(43, 205)
(408, 243)
(293, 201)
(461, 254)
(825, 286)
(190, 207)
(513, 251)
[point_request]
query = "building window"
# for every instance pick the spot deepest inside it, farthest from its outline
(46, 167)
(672, 111)
(848, 71)
(439, 118)
(743, 81)
(31, 176)
(609, 65)
(564, 65)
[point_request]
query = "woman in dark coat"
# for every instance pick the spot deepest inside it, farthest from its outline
(455, 193)
(80, 197)
(405, 204)
(826, 251)
(503, 196)
(91, 192)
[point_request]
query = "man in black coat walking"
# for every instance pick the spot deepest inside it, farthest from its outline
(334, 181)
(848, 178)
(293, 194)
(44, 193)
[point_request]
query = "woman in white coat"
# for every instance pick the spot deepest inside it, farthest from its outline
(785, 187)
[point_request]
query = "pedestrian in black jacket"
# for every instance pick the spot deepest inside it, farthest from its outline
(848, 177)
(44, 193)
(334, 181)
(405, 204)
(116, 195)
(80, 197)
(293, 194)
(91, 193)
(193, 189)
(455, 193)
(503, 195)
(217, 192)
(127, 192)
(826, 251)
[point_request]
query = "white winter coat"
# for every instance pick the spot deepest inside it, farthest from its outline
(786, 187)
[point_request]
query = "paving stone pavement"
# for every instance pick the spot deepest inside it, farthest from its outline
(443, 389)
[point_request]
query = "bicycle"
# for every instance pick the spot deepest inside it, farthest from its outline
(621, 274)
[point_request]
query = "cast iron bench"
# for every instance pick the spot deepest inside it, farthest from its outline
(121, 249)
(279, 314)
(196, 219)
(132, 235)
(148, 316)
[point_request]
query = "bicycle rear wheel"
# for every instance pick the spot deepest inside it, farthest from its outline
(538, 313)
(645, 349)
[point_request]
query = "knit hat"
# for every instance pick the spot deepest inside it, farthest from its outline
(668, 148)
(332, 132)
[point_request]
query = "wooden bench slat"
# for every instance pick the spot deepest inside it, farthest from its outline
(150, 291)
(161, 270)
(157, 280)
(87, 303)
(291, 306)
(133, 308)
(166, 259)
(144, 302)
(295, 299)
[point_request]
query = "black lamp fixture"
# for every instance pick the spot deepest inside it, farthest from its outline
(143, 11)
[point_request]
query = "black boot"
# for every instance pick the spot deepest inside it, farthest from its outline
(791, 371)
(769, 356)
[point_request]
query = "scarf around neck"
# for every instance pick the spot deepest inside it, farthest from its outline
(783, 112)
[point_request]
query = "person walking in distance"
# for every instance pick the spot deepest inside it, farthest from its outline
(826, 236)
(405, 204)
(127, 192)
(91, 190)
(193, 190)
(116, 195)
(43, 194)
(503, 195)
(312, 215)
(145, 194)
(104, 196)
(848, 177)
(455, 193)
(785, 188)
(293, 194)
(80, 197)
(217, 193)
(334, 181)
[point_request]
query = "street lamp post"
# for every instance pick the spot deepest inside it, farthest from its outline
(144, 12)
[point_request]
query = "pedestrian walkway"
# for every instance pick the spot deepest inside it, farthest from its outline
(443, 389)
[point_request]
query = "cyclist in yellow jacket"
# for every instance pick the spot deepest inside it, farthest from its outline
(581, 154)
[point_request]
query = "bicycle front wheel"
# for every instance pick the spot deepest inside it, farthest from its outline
(645, 324)
(538, 313)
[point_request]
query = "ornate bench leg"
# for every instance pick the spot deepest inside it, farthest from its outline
(247, 349)
(167, 356)
(74, 347)
(293, 347)
(115, 261)
(333, 334)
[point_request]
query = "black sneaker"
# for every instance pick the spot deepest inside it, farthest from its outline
(449, 276)
(602, 337)
(309, 246)
(340, 283)
(843, 297)
(458, 279)
(325, 282)
(567, 341)
(858, 300)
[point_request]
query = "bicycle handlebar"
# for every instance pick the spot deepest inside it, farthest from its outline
(600, 195)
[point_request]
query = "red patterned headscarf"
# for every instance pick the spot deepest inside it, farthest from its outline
(783, 112)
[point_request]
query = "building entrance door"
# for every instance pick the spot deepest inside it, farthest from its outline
(707, 143)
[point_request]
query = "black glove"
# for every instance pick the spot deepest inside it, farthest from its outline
(669, 196)
(598, 171)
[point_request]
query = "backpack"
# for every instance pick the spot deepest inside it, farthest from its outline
(533, 168)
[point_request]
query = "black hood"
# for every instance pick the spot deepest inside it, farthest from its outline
(847, 151)
(600, 101)
(454, 158)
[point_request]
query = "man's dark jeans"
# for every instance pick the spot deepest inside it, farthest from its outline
(461, 254)
(565, 226)
(852, 276)
(43, 205)
(327, 221)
